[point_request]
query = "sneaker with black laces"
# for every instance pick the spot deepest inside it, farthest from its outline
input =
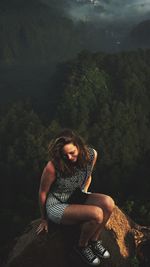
(99, 250)
(87, 255)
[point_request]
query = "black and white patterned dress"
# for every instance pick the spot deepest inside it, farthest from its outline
(63, 187)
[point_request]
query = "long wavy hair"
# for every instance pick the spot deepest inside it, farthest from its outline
(61, 163)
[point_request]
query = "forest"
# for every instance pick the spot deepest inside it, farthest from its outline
(106, 99)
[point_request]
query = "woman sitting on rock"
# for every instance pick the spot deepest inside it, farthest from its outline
(64, 198)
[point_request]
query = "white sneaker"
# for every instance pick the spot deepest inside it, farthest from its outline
(99, 250)
(87, 255)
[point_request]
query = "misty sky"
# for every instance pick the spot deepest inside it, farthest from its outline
(106, 10)
(110, 10)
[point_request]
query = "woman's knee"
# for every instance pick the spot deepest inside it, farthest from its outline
(97, 214)
(109, 204)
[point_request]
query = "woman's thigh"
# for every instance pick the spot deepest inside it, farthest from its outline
(105, 202)
(75, 213)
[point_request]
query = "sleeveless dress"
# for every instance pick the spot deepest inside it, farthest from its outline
(62, 189)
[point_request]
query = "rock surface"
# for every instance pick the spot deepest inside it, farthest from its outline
(121, 236)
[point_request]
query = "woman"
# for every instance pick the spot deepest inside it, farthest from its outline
(64, 196)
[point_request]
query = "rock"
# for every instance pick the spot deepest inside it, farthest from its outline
(122, 237)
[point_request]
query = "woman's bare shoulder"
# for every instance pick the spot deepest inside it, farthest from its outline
(50, 167)
(49, 171)
(48, 176)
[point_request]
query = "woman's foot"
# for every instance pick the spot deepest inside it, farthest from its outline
(99, 250)
(87, 255)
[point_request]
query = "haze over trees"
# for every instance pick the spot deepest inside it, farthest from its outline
(40, 32)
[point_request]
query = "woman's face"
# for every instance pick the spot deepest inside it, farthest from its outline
(71, 152)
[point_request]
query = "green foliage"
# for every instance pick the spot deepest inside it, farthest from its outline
(135, 262)
(84, 93)
(138, 210)
(23, 138)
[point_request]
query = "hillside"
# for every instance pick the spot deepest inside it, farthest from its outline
(139, 37)
(31, 32)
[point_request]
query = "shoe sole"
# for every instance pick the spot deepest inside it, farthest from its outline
(82, 257)
(100, 256)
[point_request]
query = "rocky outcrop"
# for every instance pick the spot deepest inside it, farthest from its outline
(122, 237)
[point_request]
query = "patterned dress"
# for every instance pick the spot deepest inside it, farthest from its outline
(62, 189)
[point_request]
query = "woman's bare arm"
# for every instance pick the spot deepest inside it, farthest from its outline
(88, 181)
(47, 178)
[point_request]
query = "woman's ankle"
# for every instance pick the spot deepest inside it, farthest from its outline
(83, 245)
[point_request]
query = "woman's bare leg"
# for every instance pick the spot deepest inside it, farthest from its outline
(90, 216)
(88, 229)
(104, 202)
(93, 216)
